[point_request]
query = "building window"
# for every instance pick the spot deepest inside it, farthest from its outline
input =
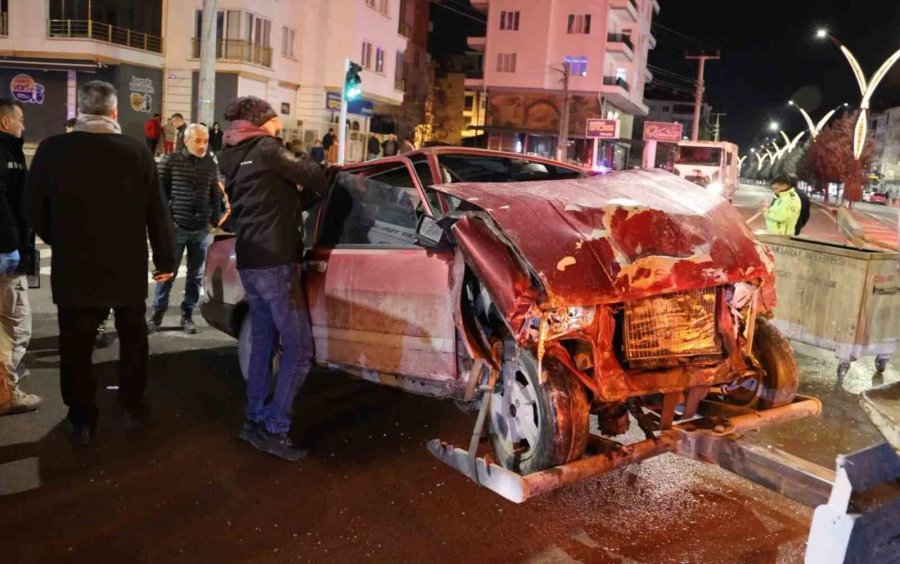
(379, 60)
(579, 23)
(577, 65)
(506, 62)
(509, 20)
(666, 108)
(380, 5)
(287, 42)
(365, 58)
(240, 36)
(400, 72)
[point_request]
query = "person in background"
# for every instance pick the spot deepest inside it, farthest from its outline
(269, 189)
(190, 180)
(389, 147)
(804, 203)
(180, 127)
(374, 147)
(330, 143)
(317, 153)
(407, 146)
(152, 132)
(170, 134)
(94, 196)
(784, 211)
(215, 138)
(17, 251)
(70, 125)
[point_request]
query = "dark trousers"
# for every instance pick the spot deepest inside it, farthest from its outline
(151, 144)
(77, 332)
(196, 243)
(278, 310)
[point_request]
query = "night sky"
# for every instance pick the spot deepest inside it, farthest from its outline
(769, 55)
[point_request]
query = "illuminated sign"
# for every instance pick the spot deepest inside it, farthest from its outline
(662, 131)
(24, 89)
(602, 129)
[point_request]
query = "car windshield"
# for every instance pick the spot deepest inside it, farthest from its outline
(484, 168)
(699, 155)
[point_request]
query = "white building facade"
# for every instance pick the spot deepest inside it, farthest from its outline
(288, 52)
(886, 131)
(605, 44)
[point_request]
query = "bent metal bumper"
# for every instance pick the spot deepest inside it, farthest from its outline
(710, 438)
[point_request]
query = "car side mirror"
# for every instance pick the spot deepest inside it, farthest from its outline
(430, 235)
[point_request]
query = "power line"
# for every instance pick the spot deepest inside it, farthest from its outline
(671, 75)
(682, 36)
(460, 12)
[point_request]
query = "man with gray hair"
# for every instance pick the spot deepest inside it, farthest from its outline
(94, 196)
(190, 180)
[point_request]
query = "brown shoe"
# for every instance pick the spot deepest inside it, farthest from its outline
(20, 403)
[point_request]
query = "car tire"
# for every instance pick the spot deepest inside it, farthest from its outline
(245, 345)
(779, 384)
(534, 427)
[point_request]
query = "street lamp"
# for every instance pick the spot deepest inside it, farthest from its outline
(867, 88)
(815, 128)
(773, 126)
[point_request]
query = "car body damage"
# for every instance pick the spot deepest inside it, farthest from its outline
(643, 260)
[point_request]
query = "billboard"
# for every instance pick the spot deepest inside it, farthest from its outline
(602, 129)
(662, 131)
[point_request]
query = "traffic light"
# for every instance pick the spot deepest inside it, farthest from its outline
(352, 82)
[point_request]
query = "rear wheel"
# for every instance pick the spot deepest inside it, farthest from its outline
(778, 385)
(534, 427)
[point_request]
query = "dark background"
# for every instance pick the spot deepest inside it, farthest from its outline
(769, 55)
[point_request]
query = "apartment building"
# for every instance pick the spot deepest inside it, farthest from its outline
(676, 107)
(604, 44)
(290, 53)
(885, 128)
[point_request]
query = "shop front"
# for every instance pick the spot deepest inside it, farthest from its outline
(44, 98)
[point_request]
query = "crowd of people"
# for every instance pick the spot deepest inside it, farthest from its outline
(97, 197)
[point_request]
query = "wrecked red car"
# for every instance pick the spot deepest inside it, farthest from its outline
(536, 293)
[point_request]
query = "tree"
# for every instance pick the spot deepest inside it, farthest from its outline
(830, 158)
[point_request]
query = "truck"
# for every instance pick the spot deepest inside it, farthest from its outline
(711, 164)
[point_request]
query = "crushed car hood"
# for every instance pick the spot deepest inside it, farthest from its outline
(613, 238)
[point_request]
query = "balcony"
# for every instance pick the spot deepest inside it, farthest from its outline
(476, 43)
(99, 31)
(405, 30)
(620, 44)
(624, 11)
(4, 24)
(617, 82)
(239, 51)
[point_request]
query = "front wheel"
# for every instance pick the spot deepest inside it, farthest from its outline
(535, 427)
(778, 385)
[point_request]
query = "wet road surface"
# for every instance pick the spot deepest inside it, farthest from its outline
(187, 490)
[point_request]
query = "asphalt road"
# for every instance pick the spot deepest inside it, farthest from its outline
(187, 490)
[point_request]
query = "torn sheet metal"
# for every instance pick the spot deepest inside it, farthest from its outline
(618, 237)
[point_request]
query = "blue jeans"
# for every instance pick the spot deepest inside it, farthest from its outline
(196, 243)
(278, 309)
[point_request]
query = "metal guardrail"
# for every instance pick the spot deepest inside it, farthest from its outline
(616, 81)
(620, 38)
(99, 31)
(239, 50)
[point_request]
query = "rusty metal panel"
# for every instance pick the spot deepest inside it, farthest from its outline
(630, 234)
(671, 326)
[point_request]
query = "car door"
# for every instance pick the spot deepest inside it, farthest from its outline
(379, 302)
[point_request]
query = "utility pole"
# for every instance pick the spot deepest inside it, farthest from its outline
(698, 96)
(717, 128)
(207, 90)
(562, 147)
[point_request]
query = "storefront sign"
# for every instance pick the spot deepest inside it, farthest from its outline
(662, 131)
(602, 129)
(24, 89)
(332, 101)
(358, 106)
(141, 94)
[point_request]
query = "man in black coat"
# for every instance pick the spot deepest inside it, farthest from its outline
(180, 128)
(17, 254)
(94, 196)
(190, 180)
(269, 187)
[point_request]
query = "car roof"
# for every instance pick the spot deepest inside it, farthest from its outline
(471, 151)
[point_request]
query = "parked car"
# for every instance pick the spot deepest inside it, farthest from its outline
(876, 198)
(603, 295)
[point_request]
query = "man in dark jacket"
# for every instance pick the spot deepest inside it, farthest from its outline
(389, 147)
(16, 261)
(180, 127)
(374, 147)
(190, 180)
(804, 203)
(94, 196)
(269, 188)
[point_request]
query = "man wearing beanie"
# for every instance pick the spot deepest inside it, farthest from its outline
(269, 187)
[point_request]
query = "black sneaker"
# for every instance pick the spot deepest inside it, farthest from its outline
(155, 322)
(277, 444)
(188, 324)
(249, 429)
